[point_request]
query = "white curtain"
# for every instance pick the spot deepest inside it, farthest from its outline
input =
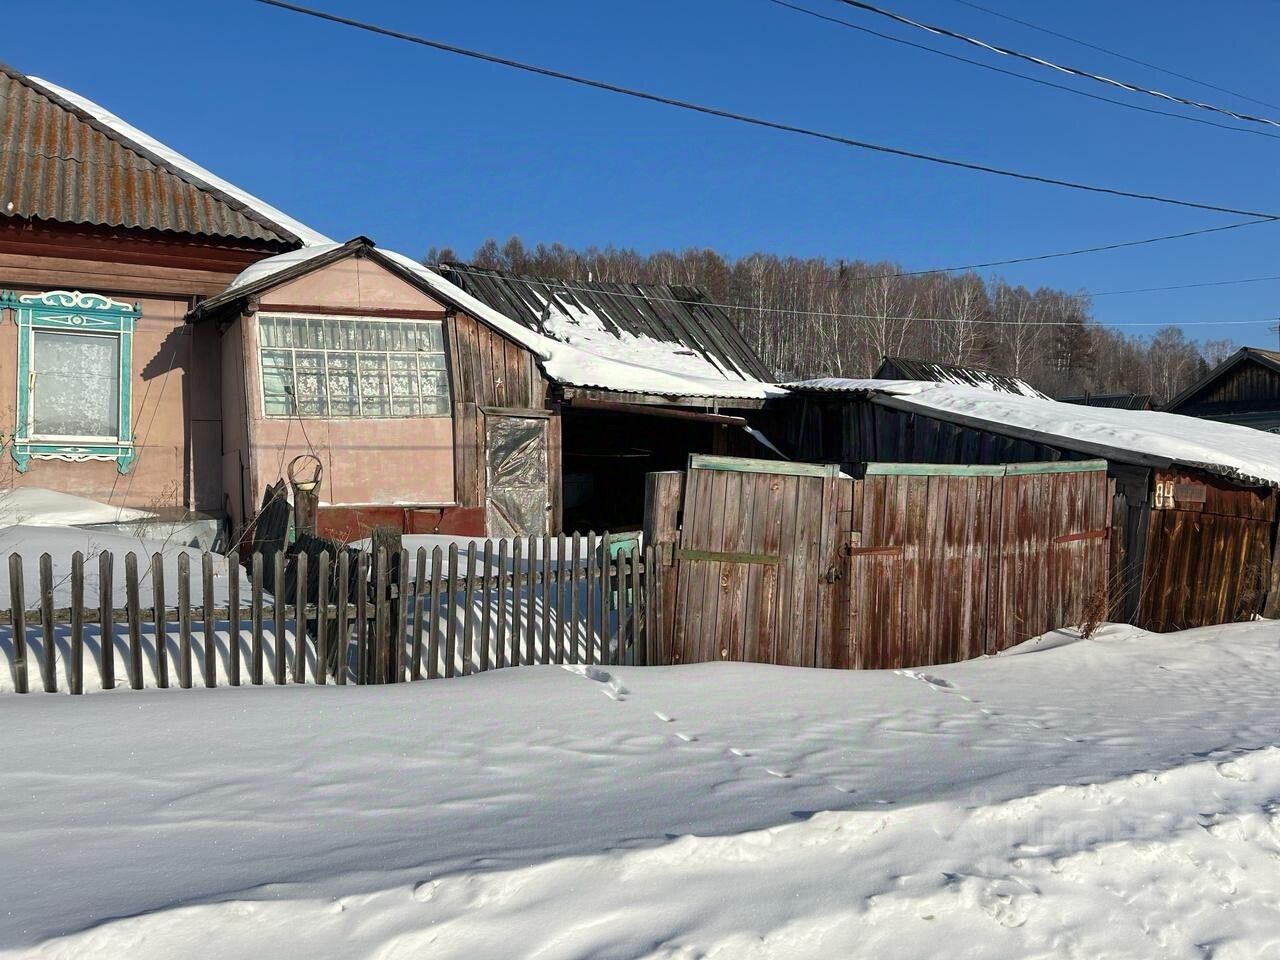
(77, 385)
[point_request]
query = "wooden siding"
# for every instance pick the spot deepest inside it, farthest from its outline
(1249, 385)
(487, 370)
(1208, 552)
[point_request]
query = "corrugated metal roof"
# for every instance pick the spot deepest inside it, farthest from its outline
(1116, 401)
(904, 368)
(679, 316)
(60, 164)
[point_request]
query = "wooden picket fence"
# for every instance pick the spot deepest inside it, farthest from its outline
(362, 617)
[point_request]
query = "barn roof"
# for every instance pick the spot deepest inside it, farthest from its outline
(67, 160)
(1266, 358)
(1143, 437)
(675, 327)
(1117, 401)
(907, 368)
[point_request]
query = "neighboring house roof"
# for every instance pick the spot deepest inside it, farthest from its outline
(563, 363)
(67, 160)
(677, 327)
(1117, 401)
(1141, 437)
(1266, 358)
(906, 368)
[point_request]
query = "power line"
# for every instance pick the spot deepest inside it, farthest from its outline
(748, 119)
(1181, 286)
(554, 286)
(1021, 76)
(1040, 61)
(1115, 53)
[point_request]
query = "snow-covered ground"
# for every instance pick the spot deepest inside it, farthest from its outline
(1118, 797)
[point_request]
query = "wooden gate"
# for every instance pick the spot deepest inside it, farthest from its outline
(950, 562)
(1208, 557)
(758, 560)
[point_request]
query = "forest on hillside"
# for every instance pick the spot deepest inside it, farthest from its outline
(817, 317)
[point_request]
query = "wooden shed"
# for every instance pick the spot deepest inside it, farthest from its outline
(1244, 389)
(1193, 507)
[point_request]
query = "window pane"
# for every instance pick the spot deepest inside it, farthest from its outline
(431, 361)
(277, 382)
(373, 385)
(310, 378)
(431, 337)
(267, 331)
(400, 337)
(344, 396)
(77, 385)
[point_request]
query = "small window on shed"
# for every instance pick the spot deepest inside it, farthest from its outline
(355, 367)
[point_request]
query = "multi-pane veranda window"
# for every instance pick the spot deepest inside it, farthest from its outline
(75, 385)
(352, 367)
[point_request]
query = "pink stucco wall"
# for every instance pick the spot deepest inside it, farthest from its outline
(397, 460)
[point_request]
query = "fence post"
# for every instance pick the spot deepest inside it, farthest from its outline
(322, 616)
(500, 646)
(451, 637)
(468, 611)
(106, 622)
(233, 618)
(545, 652)
(560, 604)
(433, 621)
(279, 594)
(637, 644)
(343, 639)
(401, 617)
(419, 602)
(575, 655)
(300, 619)
(379, 644)
(134, 614)
(589, 597)
(48, 652)
(517, 602)
(620, 591)
(184, 620)
(531, 615)
(362, 617)
(663, 495)
(159, 617)
(210, 648)
(255, 617)
(18, 613)
(606, 647)
(486, 581)
(75, 669)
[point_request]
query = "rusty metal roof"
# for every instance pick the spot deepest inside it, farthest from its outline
(59, 163)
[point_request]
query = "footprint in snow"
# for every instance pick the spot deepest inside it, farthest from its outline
(662, 716)
(687, 737)
(738, 752)
(424, 891)
(782, 775)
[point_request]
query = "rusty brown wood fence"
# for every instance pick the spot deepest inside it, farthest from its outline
(912, 564)
(355, 618)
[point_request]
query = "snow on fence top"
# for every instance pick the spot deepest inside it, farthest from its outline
(1133, 436)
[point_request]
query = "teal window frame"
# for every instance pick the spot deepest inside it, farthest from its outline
(71, 311)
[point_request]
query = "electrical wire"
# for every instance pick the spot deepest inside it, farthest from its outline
(1040, 61)
(748, 119)
(1115, 53)
(1021, 76)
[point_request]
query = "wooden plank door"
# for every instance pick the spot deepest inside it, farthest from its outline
(756, 565)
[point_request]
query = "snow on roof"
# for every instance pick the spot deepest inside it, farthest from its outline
(640, 369)
(1242, 453)
(104, 116)
(33, 506)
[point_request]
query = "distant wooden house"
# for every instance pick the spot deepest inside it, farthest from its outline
(1244, 389)
(905, 368)
(1115, 401)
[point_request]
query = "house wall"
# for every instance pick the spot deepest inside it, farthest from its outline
(393, 460)
(176, 389)
(1248, 394)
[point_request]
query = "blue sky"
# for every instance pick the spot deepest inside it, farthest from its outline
(354, 133)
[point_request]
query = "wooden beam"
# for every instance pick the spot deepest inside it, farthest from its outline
(639, 409)
(786, 468)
